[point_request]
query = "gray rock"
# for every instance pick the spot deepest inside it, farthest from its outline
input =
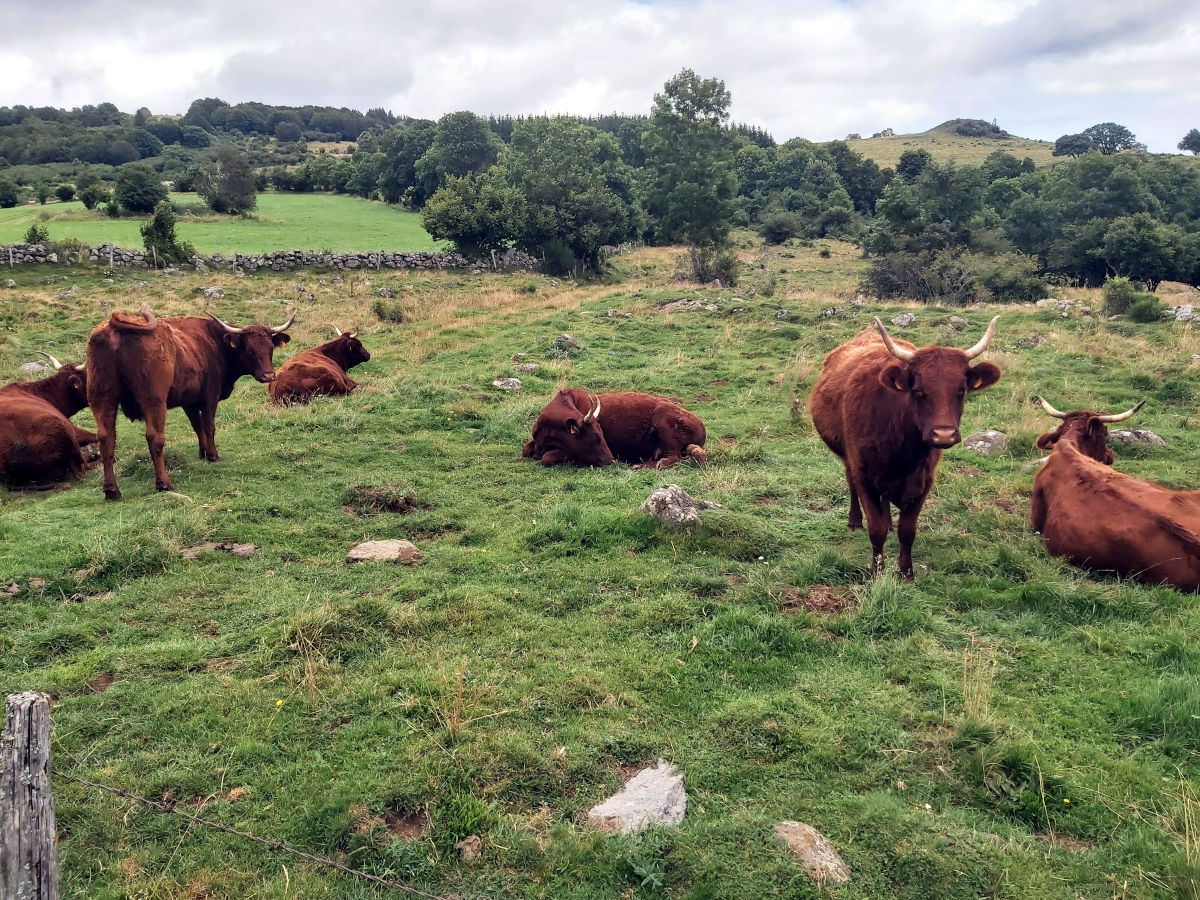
(1136, 437)
(651, 797)
(904, 320)
(34, 368)
(214, 293)
(988, 442)
(672, 506)
(783, 314)
(831, 312)
(526, 368)
(1028, 343)
(385, 293)
(820, 859)
(1185, 313)
(566, 342)
(385, 551)
(958, 323)
(10, 283)
(223, 547)
(508, 384)
(201, 268)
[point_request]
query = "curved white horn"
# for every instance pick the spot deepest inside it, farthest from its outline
(285, 325)
(335, 328)
(229, 329)
(1121, 417)
(593, 409)
(983, 341)
(898, 352)
(1051, 410)
(57, 364)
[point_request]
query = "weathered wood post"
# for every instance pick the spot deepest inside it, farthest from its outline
(28, 843)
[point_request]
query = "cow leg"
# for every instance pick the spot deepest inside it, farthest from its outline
(205, 432)
(855, 521)
(156, 439)
(906, 531)
(879, 523)
(553, 457)
(106, 431)
(82, 437)
(665, 462)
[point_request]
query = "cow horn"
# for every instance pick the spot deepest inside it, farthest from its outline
(593, 412)
(898, 352)
(285, 325)
(1051, 410)
(57, 364)
(335, 328)
(1121, 417)
(229, 329)
(983, 341)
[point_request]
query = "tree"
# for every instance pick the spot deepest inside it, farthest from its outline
(65, 193)
(1073, 145)
(479, 213)
(912, 163)
(462, 144)
(138, 189)
(93, 195)
(8, 194)
(688, 184)
(1191, 142)
(228, 186)
(288, 132)
(158, 235)
(1110, 138)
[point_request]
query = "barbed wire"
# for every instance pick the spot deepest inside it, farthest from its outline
(173, 809)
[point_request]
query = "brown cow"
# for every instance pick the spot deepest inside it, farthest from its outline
(321, 370)
(638, 428)
(1101, 519)
(39, 445)
(148, 365)
(888, 410)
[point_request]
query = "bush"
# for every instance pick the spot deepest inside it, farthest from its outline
(65, 193)
(707, 263)
(112, 209)
(1118, 294)
(1145, 308)
(389, 311)
(776, 227)
(8, 194)
(93, 195)
(37, 234)
(159, 237)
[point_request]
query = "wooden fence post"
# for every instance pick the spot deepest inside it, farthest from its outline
(28, 842)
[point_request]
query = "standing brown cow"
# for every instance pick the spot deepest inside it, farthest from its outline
(1101, 519)
(637, 428)
(320, 370)
(148, 365)
(38, 442)
(888, 410)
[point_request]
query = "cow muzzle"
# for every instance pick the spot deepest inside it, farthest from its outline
(944, 436)
(265, 377)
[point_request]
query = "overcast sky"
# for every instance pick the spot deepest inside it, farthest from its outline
(817, 69)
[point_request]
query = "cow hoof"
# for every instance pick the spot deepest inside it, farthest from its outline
(165, 487)
(114, 494)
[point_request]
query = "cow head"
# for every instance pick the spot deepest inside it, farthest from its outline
(1088, 431)
(935, 382)
(253, 345)
(348, 350)
(68, 386)
(569, 434)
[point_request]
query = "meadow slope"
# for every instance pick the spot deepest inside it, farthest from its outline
(1005, 726)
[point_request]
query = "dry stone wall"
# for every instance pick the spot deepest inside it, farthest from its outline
(277, 261)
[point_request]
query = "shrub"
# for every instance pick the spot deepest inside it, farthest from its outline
(389, 311)
(93, 195)
(37, 234)
(65, 193)
(8, 194)
(1118, 294)
(776, 227)
(1145, 308)
(707, 263)
(112, 209)
(159, 236)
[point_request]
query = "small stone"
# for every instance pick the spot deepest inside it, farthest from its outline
(1136, 437)
(508, 384)
(904, 320)
(672, 506)
(783, 314)
(10, 283)
(223, 546)
(213, 293)
(1028, 343)
(526, 368)
(820, 859)
(958, 323)
(988, 442)
(385, 293)
(566, 342)
(831, 312)
(469, 847)
(651, 797)
(385, 551)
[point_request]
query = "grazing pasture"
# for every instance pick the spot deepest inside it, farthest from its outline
(281, 222)
(1004, 726)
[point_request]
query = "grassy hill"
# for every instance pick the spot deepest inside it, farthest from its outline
(1005, 726)
(944, 144)
(282, 222)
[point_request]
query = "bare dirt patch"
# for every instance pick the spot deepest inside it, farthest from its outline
(101, 683)
(819, 599)
(407, 825)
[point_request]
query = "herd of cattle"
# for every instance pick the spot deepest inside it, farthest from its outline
(885, 407)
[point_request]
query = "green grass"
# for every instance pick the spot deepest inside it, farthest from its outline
(1006, 726)
(281, 222)
(945, 146)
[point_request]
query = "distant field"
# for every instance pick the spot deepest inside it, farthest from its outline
(281, 222)
(971, 150)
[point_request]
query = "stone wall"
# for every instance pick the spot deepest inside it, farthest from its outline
(277, 261)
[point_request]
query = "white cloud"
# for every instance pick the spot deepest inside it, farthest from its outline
(815, 68)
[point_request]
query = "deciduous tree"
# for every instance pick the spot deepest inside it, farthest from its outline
(228, 186)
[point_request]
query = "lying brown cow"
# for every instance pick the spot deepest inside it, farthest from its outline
(1101, 519)
(638, 428)
(39, 445)
(888, 410)
(321, 370)
(147, 366)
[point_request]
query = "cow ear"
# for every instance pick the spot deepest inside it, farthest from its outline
(572, 426)
(76, 382)
(280, 339)
(896, 375)
(1047, 440)
(982, 376)
(231, 340)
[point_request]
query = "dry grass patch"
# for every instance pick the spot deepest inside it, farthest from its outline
(817, 599)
